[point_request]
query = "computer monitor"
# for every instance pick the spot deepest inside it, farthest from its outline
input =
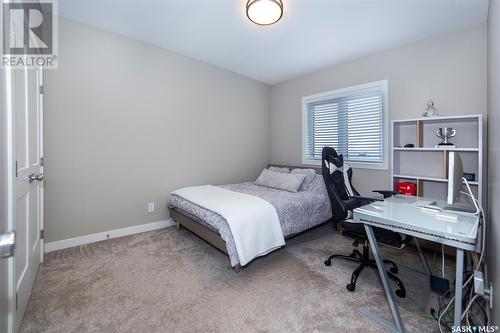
(455, 176)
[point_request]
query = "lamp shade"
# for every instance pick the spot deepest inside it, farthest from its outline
(264, 12)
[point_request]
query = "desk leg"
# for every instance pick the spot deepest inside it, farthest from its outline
(398, 323)
(422, 257)
(459, 281)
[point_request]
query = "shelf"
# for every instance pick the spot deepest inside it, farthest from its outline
(472, 117)
(427, 165)
(430, 179)
(437, 149)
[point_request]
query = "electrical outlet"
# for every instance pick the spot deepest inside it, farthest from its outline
(151, 207)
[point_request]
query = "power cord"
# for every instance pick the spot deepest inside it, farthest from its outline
(480, 210)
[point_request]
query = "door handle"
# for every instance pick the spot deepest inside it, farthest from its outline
(7, 244)
(32, 177)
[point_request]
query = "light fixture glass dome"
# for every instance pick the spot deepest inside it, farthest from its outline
(264, 12)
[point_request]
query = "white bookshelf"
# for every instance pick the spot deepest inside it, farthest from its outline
(427, 166)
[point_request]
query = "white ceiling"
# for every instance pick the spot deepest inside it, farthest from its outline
(311, 35)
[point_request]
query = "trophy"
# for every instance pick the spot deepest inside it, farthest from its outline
(445, 133)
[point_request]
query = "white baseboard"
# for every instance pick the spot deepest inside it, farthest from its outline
(87, 239)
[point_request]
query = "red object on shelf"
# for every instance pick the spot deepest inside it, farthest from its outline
(407, 188)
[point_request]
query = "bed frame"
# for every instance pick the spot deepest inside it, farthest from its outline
(210, 236)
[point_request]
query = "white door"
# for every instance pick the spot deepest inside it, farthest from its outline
(7, 294)
(27, 184)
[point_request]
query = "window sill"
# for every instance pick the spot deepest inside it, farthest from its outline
(355, 165)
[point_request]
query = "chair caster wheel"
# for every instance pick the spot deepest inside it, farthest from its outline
(393, 270)
(401, 293)
(351, 287)
(328, 262)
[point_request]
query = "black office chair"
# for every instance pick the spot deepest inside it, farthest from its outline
(344, 199)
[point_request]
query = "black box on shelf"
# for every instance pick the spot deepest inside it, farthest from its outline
(470, 176)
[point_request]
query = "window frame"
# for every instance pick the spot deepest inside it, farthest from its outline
(382, 85)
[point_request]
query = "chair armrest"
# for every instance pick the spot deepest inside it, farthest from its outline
(358, 201)
(386, 193)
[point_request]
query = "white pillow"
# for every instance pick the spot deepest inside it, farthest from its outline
(309, 173)
(278, 169)
(281, 181)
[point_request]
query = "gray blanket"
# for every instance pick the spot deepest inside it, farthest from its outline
(296, 211)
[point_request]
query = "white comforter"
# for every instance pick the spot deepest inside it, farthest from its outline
(253, 221)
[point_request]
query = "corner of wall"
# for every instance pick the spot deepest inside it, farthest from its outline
(493, 96)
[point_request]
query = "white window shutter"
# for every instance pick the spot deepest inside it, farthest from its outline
(351, 122)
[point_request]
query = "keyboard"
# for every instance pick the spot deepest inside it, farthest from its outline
(423, 203)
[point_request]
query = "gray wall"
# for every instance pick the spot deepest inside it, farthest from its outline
(493, 151)
(127, 123)
(450, 69)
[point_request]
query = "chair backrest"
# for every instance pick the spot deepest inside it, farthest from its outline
(337, 176)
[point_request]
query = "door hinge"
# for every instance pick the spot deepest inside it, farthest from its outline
(41, 89)
(16, 169)
(42, 161)
(42, 234)
(16, 300)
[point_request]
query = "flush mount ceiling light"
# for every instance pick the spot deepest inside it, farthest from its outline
(264, 12)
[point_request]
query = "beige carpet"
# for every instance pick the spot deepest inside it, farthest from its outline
(170, 281)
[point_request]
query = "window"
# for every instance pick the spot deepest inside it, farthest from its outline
(351, 120)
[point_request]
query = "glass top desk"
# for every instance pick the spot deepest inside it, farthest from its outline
(400, 214)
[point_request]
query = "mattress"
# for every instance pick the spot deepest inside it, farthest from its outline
(297, 212)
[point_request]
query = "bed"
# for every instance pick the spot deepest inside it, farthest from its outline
(297, 212)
